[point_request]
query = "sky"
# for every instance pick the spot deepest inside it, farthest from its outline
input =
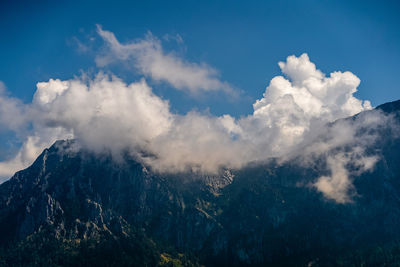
(243, 40)
(219, 83)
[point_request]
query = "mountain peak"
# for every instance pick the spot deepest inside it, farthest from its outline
(265, 214)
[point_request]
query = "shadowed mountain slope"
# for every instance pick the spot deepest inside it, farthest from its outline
(72, 207)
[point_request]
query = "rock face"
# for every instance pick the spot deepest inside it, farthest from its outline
(257, 215)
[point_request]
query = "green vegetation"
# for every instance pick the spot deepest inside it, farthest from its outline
(133, 249)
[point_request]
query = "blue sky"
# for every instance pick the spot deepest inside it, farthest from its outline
(235, 45)
(243, 40)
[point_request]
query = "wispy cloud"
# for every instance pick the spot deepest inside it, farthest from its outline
(149, 58)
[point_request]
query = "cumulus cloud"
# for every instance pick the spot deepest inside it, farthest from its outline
(149, 58)
(105, 114)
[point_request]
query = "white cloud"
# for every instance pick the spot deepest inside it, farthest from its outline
(338, 185)
(344, 146)
(12, 111)
(293, 109)
(106, 114)
(149, 58)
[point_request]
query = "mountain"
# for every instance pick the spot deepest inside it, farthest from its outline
(74, 208)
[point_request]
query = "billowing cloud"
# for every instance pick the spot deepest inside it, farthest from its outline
(149, 58)
(105, 114)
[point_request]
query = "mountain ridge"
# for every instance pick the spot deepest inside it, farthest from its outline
(253, 216)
